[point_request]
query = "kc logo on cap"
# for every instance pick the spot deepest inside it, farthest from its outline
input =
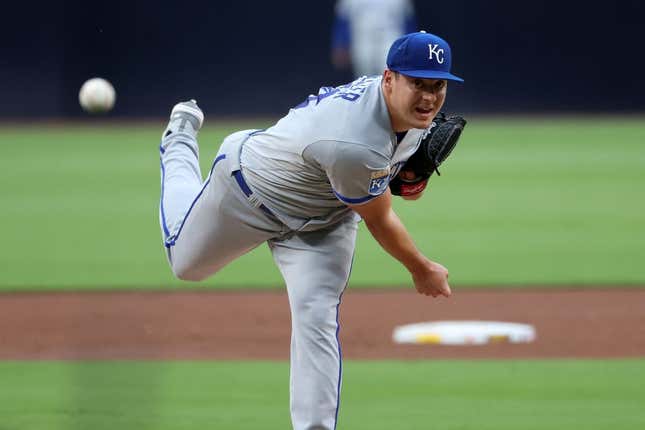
(434, 49)
(421, 55)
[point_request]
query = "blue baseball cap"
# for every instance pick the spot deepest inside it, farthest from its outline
(421, 55)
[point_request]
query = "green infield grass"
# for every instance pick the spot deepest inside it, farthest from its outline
(459, 395)
(524, 201)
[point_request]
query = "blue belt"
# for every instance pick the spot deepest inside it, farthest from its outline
(247, 191)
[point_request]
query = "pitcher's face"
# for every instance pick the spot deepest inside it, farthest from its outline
(412, 102)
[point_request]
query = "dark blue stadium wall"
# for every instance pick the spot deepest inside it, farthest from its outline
(260, 58)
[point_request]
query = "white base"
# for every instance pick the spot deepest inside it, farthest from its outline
(464, 333)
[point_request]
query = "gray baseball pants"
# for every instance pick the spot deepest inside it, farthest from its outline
(207, 224)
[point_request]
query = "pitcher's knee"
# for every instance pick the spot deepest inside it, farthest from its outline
(316, 317)
(187, 272)
(188, 275)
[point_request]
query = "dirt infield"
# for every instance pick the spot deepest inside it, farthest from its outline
(255, 325)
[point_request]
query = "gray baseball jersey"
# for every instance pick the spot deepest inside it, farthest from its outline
(335, 148)
(287, 186)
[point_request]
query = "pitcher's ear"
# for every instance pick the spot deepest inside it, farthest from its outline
(388, 76)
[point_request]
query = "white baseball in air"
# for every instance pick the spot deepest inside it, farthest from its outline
(97, 95)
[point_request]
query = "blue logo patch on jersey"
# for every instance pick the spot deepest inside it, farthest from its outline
(379, 181)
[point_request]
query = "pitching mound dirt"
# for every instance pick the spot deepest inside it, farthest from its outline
(256, 325)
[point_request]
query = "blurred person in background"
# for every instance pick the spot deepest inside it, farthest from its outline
(364, 30)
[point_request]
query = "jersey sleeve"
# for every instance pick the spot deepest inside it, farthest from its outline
(356, 173)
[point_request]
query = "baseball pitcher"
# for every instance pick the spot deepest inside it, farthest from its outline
(302, 186)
